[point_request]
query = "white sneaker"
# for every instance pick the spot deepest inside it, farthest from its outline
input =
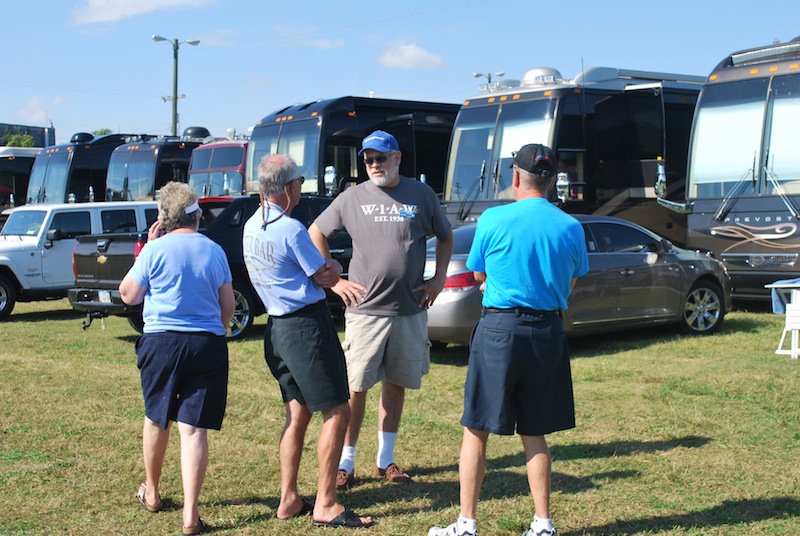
(543, 532)
(449, 531)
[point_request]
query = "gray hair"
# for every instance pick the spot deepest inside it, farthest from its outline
(275, 171)
(533, 181)
(173, 200)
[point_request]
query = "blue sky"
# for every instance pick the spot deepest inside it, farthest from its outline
(90, 64)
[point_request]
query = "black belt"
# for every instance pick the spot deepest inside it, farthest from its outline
(519, 311)
(305, 309)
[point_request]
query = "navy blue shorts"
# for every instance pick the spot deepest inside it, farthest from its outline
(184, 377)
(519, 375)
(304, 354)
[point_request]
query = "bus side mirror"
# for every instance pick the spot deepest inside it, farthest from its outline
(661, 180)
(562, 187)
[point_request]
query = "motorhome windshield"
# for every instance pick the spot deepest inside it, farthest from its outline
(298, 139)
(51, 170)
(130, 176)
(729, 128)
(484, 138)
(726, 145)
(218, 170)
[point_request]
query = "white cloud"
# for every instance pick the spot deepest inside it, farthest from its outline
(105, 11)
(35, 110)
(410, 56)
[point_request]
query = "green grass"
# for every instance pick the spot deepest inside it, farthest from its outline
(675, 436)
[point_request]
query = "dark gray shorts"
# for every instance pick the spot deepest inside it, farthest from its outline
(304, 354)
(184, 377)
(519, 375)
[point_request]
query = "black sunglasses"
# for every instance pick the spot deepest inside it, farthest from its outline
(379, 159)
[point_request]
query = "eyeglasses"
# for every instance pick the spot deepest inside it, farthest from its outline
(301, 179)
(379, 159)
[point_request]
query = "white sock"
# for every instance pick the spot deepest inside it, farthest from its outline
(347, 461)
(541, 523)
(386, 441)
(466, 525)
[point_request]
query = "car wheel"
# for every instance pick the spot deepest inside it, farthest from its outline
(137, 322)
(703, 309)
(242, 312)
(8, 297)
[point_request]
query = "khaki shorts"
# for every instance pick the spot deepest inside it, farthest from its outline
(391, 348)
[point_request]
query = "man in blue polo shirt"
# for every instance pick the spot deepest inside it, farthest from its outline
(528, 254)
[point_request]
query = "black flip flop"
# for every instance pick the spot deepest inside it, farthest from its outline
(347, 519)
(306, 509)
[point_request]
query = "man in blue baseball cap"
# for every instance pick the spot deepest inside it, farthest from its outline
(389, 218)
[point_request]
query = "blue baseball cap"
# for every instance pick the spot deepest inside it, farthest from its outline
(380, 141)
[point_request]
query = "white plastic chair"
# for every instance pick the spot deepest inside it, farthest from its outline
(792, 325)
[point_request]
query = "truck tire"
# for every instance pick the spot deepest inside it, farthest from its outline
(137, 322)
(8, 297)
(242, 312)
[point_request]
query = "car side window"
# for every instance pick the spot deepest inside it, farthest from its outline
(591, 243)
(72, 224)
(150, 216)
(118, 221)
(616, 238)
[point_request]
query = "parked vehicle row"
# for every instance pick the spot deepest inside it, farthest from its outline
(101, 261)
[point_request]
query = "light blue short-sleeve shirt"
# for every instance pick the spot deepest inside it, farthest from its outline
(280, 260)
(183, 274)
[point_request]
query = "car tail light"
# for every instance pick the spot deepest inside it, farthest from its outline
(462, 281)
(137, 248)
(74, 268)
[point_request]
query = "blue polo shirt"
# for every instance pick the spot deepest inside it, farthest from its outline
(530, 251)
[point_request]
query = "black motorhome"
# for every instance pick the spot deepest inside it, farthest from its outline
(138, 169)
(74, 171)
(613, 130)
(324, 138)
(15, 171)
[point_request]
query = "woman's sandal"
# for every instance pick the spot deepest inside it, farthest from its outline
(200, 528)
(141, 496)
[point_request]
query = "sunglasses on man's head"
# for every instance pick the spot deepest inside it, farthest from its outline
(369, 160)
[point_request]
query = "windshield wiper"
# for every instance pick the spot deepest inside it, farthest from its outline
(727, 203)
(773, 179)
(463, 210)
(499, 185)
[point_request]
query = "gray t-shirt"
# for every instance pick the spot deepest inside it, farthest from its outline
(389, 227)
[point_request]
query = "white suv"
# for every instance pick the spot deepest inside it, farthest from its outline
(37, 240)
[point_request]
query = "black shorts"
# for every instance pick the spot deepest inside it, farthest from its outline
(184, 377)
(519, 375)
(304, 354)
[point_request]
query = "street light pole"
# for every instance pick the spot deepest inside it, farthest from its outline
(176, 44)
